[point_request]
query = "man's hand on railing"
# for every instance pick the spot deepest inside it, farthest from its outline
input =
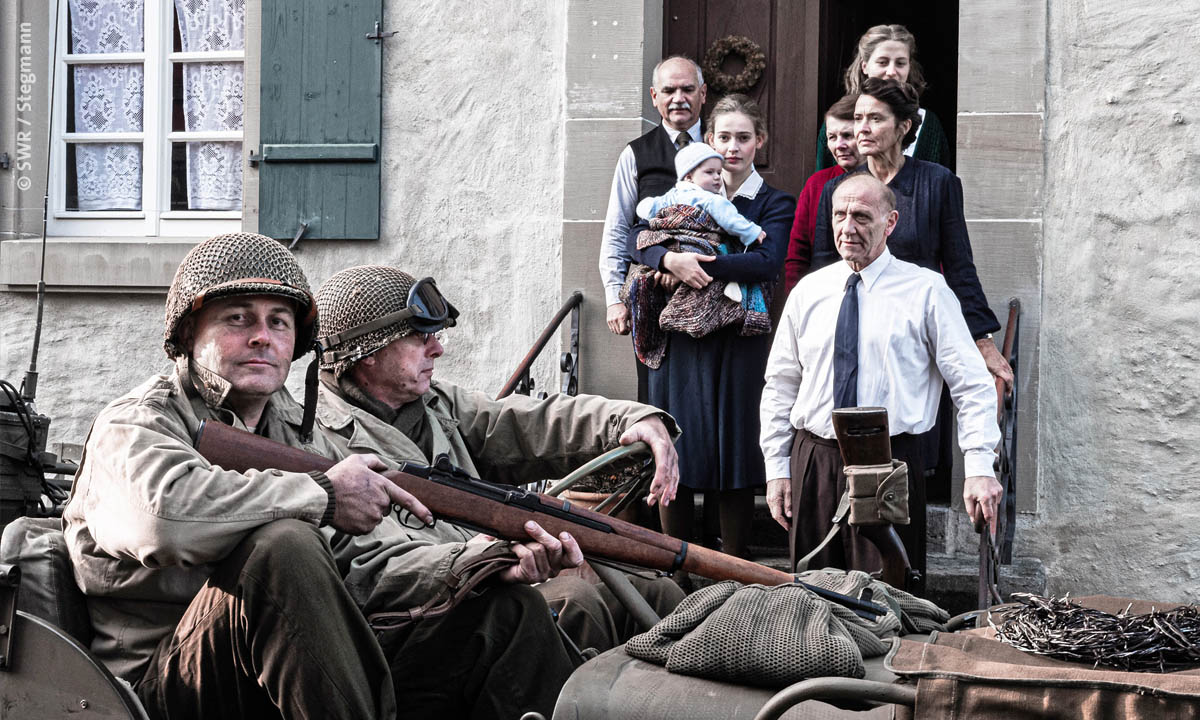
(654, 433)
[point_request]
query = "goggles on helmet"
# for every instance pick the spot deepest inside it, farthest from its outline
(425, 311)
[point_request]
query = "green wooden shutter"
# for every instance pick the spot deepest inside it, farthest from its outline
(320, 119)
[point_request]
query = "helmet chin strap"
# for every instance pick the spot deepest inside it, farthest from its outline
(310, 396)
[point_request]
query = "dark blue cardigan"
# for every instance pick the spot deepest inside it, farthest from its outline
(931, 232)
(772, 209)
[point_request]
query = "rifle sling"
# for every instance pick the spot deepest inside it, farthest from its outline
(838, 517)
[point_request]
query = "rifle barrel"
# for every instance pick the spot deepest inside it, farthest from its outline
(599, 535)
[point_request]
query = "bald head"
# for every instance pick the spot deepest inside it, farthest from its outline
(864, 214)
(867, 185)
(678, 92)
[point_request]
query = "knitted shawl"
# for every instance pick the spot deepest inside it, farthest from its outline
(656, 312)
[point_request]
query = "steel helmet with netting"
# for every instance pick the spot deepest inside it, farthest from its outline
(365, 308)
(238, 264)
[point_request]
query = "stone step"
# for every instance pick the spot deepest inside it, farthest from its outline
(953, 581)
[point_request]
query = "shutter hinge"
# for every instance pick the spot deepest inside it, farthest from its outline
(379, 34)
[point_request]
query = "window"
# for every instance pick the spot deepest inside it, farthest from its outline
(149, 118)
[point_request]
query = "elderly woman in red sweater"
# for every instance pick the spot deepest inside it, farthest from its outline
(839, 138)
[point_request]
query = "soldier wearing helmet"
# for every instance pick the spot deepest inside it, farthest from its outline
(214, 592)
(380, 340)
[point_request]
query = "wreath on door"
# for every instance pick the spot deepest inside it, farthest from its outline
(738, 45)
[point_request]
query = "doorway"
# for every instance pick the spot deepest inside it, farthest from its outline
(935, 25)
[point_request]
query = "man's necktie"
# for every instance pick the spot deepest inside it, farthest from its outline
(682, 140)
(845, 348)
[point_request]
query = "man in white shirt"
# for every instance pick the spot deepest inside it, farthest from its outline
(870, 331)
(646, 168)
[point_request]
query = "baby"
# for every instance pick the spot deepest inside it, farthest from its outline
(698, 170)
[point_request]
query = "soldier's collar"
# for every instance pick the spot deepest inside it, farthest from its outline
(198, 380)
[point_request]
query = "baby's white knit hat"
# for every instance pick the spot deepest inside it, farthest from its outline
(692, 155)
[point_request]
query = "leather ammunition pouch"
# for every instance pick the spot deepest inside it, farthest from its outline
(878, 493)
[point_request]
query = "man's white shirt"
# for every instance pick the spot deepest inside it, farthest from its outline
(911, 336)
(622, 205)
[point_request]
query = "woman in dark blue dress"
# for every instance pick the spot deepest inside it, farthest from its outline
(711, 385)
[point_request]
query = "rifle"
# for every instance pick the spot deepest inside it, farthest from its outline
(503, 510)
(863, 439)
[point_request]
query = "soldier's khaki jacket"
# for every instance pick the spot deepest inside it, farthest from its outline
(516, 440)
(148, 517)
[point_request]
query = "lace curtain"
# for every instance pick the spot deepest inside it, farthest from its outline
(212, 100)
(108, 98)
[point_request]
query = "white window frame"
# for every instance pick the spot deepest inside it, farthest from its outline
(155, 219)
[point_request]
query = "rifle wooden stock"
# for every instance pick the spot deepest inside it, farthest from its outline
(622, 542)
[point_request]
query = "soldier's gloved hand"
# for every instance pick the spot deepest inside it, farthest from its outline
(654, 433)
(363, 497)
(543, 557)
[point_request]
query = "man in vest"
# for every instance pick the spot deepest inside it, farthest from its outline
(646, 168)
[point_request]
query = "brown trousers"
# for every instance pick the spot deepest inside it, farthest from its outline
(818, 483)
(274, 633)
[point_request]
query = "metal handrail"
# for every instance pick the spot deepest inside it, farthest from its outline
(568, 363)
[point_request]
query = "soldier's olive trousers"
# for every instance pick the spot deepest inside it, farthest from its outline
(274, 633)
(497, 655)
(594, 618)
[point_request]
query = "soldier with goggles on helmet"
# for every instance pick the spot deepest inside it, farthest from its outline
(381, 337)
(215, 593)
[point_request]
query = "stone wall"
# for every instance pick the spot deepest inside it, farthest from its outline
(472, 194)
(1119, 365)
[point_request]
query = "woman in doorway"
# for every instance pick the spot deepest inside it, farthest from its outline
(931, 230)
(712, 384)
(839, 124)
(889, 52)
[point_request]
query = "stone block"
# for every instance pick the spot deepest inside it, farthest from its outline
(78, 263)
(606, 365)
(953, 582)
(1000, 163)
(1001, 56)
(1008, 257)
(935, 529)
(592, 148)
(604, 58)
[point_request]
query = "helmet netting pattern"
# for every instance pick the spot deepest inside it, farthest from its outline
(230, 257)
(358, 295)
(775, 636)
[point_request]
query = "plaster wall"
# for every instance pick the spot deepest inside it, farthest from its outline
(1119, 367)
(472, 152)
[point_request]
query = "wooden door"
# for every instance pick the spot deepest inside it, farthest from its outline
(787, 32)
